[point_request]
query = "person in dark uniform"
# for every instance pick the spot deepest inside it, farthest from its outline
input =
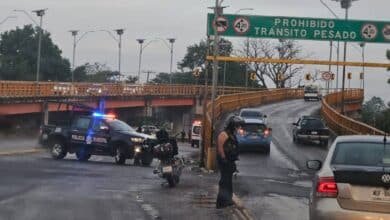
(183, 135)
(227, 154)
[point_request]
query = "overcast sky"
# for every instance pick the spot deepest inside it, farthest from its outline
(186, 21)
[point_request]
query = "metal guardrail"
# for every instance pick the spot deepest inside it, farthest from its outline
(342, 124)
(27, 89)
(229, 103)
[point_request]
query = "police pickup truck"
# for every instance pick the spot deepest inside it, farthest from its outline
(97, 134)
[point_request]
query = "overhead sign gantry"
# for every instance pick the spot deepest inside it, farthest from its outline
(300, 28)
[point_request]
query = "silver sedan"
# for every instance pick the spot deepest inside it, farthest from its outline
(354, 181)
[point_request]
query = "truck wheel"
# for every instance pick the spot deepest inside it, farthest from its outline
(119, 157)
(147, 159)
(58, 149)
(83, 155)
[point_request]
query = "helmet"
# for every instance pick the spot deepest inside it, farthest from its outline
(233, 122)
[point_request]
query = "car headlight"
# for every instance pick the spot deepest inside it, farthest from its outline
(137, 140)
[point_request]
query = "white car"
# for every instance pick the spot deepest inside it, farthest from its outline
(354, 181)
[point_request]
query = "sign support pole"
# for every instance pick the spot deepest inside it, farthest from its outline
(344, 69)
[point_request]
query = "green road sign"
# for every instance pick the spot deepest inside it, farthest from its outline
(300, 28)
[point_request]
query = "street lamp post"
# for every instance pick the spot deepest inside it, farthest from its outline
(119, 32)
(74, 34)
(6, 18)
(40, 13)
(140, 41)
(345, 4)
(171, 41)
(119, 41)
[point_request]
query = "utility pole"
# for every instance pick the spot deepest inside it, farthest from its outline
(217, 13)
(74, 34)
(330, 66)
(140, 41)
(171, 41)
(345, 4)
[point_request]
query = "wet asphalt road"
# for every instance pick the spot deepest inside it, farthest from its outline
(277, 186)
(271, 187)
(34, 186)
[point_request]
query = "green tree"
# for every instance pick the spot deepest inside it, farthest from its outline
(372, 109)
(196, 57)
(96, 72)
(18, 56)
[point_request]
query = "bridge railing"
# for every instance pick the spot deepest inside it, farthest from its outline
(26, 89)
(229, 103)
(342, 124)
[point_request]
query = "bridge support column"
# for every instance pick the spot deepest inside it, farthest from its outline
(148, 108)
(45, 113)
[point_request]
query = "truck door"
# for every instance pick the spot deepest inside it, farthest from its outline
(79, 132)
(101, 136)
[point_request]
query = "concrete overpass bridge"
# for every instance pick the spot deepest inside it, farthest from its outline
(30, 97)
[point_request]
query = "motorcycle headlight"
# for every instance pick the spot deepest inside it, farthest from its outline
(138, 149)
(137, 140)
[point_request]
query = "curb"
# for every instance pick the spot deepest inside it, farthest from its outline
(243, 212)
(21, 152)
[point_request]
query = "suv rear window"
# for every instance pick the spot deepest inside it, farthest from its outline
(312, 123)
(251, 114)
(254, 128)
(196, 129)
(362, 154)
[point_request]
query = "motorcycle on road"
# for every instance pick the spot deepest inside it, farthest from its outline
(170, 167)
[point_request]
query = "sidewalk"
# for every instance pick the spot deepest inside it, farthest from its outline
(11, 145)
(203, 191)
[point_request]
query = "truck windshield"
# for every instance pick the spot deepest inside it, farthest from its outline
(311, 89)
(117, 125)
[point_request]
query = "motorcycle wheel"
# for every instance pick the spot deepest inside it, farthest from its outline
(171, 181)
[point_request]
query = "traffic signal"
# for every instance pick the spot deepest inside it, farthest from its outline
(361, 75)
(253, 76)
(332, 76)
(349, 75)
(308, 77)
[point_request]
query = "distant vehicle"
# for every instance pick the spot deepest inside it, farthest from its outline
(253, 113)
(354, 181)
(64, 89)
(97, 134)
(312, 92)
(254, 136)
(97, 89)
(309, 128)
(195, 133)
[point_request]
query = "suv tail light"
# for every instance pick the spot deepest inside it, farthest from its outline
(267, 133)
(327, 187)
(241, 132)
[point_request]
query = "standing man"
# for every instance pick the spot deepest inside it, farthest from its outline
(183, 135)
(227, 154)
